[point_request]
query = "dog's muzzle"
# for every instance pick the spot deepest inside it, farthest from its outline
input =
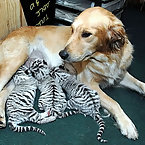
(63, 54)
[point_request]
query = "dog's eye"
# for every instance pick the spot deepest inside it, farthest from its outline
(86, 34)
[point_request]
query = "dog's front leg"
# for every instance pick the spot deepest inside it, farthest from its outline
(130, 82)
(125, 124)
(3, 97)
(13, 53)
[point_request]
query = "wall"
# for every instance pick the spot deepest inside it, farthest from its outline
(11, 16)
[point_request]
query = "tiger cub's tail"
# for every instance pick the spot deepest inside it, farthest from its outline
(18, 128)
(68, 113)
(101, 129)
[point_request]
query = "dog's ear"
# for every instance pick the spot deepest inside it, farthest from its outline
(115, 38)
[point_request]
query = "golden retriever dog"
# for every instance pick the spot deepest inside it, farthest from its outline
(96, 45)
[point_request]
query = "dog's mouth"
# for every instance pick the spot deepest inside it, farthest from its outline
(74, 59)
(71, 58)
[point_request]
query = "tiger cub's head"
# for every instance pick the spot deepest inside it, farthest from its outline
(39, 69)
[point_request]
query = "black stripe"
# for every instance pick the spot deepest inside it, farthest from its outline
(24, 101)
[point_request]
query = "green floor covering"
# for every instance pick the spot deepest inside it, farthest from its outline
(78, 130)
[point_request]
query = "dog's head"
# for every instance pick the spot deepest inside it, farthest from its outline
(94, 30)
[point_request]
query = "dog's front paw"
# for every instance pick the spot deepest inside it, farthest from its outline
(127, 127)
(2, 119)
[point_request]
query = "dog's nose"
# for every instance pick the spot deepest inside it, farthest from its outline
(63, 54)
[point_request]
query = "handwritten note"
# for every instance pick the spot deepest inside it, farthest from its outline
(38, 12)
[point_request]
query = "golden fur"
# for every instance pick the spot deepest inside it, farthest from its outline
(96, 45)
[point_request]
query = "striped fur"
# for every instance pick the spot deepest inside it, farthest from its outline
(80, 97)
(52, 97)
(20, 104)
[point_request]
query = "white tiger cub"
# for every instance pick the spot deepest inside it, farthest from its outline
(80, 97)
(52, 97)
(21, 101)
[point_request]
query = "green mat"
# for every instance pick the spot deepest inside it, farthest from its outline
(80, 130)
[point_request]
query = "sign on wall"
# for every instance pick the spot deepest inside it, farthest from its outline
(38, 12)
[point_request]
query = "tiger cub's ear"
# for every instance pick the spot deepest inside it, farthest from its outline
(115, 38)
